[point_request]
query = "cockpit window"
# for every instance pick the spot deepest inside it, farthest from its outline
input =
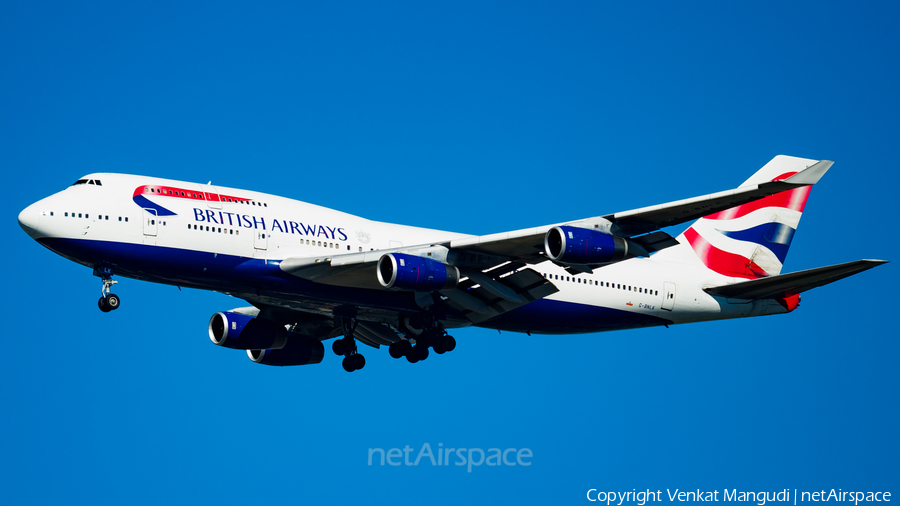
(97, 182)
(80, 181)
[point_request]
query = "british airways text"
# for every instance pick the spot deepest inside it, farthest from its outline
(283, 226)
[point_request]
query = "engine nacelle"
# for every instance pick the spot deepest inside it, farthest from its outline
(299, 350)
(244, 332)
(574, 245)
(411, 272)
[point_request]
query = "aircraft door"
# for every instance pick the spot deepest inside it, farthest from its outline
(668, 296)
(211, 196)
(261, 239)
(151, 222)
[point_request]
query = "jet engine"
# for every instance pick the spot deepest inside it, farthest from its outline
(410, 272)
(299, 350)
(574, 245)
(244, 332)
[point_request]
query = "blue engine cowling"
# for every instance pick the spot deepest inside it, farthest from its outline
(244, 332)
(574, 245)
(410, 272)
(299, 350)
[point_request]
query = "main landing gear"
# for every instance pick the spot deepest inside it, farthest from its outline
(426, 333)
(346, 346)
(108, 301)
(421, 329)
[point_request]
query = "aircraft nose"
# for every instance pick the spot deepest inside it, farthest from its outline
(29, 220)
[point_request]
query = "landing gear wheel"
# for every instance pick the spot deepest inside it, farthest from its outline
(359, 361)
(396, 349)
(112, 301)
(347, 363)
(338, 346)
(103, 305)
(421, 352)
(438, 348)
(412, 358)
(449, 343)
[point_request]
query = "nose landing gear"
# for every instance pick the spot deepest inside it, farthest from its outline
(108, 301)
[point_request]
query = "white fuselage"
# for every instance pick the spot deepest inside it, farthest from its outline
(191, 234)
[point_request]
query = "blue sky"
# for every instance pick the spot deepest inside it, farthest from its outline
(472, 118)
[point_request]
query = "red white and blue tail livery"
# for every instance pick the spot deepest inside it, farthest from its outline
(311, 274)
(751, 240)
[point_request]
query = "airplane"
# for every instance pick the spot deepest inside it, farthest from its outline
(311, 273)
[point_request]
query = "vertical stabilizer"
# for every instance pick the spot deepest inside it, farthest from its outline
(751, 240)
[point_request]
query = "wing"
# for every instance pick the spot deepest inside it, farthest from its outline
(529, 242)
(493, 268)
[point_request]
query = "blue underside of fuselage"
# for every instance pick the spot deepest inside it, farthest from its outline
(261, 278)
(547, 316)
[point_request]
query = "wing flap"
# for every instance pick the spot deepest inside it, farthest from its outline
(526, 283)
(786, 285)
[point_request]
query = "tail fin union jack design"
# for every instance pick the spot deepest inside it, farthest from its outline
(749, 241)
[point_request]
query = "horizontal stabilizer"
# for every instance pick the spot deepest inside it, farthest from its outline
(786, 285)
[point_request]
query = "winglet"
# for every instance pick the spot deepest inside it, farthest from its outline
(811, 174)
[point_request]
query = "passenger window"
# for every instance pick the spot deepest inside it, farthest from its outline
(79, 215)
(126, 218)
(67, 215)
